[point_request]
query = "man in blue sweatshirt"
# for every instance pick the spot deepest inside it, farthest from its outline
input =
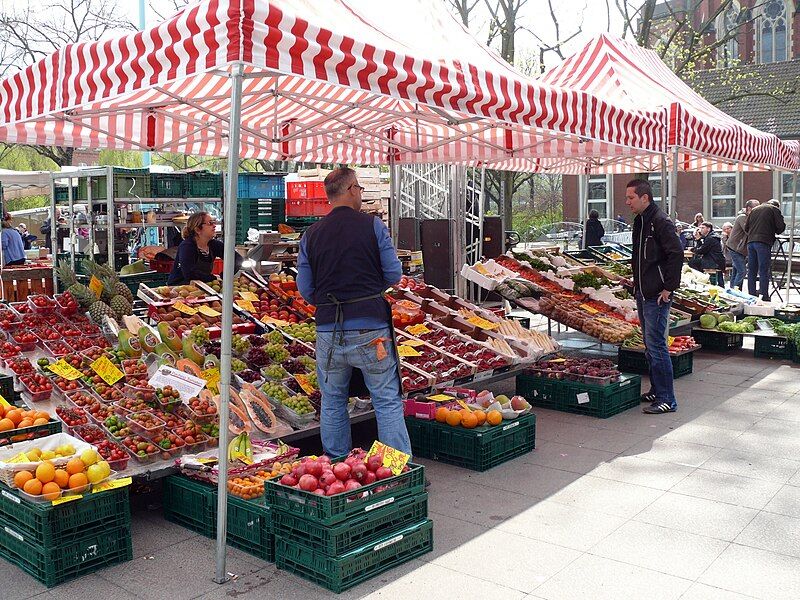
(346, 262)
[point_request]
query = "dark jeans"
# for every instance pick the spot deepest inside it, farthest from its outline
(759, 263)
(739, 269)
(14, 263)
(654, 320)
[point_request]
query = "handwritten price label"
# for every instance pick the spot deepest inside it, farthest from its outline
(246, 305)
(65, 370)
(441, 398)
(417, 329)
(208, 311)
(96, 286)
(482, 323)
(212, 377)
(412, 343)
(111, 485)
(249, 296)
(271, 321)
(305, 384)
(407, 351)
(65, 499)
(106, 370)
(393, 459)
(185, 308)
(591, 310)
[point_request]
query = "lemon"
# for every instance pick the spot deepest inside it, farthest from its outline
(48, 455)
(106, 468)
(95, 473)
(32, 456)
(89, 457)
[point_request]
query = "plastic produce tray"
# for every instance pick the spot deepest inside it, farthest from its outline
(57, 525)
(355, 532)
(718, 341)
(478, 449)
(603, 401)
(340, 573)
(635, 361)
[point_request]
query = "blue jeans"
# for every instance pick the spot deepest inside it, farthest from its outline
(381, 378)
(654, 319)
(759, 262)
(738, 269)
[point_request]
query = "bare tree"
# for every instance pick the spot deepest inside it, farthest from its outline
(28, 33)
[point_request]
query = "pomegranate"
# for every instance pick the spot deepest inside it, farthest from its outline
(313, 467)
(289, 480)
(335, 488)
(324, 459)
(352, 485)
(374, 462)
(319, 492)
(370, 477)
(342, 471)
(359, 472)
(308, 483)
(327, 478)
(383, 473)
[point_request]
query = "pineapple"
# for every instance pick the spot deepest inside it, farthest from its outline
(82, 294)
(98, 310)
(120, 306)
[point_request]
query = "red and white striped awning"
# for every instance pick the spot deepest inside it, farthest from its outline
(635, 78)
(353, 81)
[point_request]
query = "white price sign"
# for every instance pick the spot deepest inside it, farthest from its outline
(188, 386)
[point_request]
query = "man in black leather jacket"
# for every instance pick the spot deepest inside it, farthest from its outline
(657, 262)
(708, 255)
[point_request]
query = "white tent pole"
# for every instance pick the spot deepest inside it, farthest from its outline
(666, 204)
(673, 186)
(229, 232)
(791, 238)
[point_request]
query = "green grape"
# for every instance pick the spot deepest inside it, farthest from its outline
(199, 334)
(238, 365)
(239, 344)
(275, 337)
(275, 391)
(299, 404)
(277, 352)
(275, 372)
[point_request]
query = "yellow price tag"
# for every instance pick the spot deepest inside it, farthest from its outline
(417, 329)
(441, 398)
(65, 499)
(407, 351)
(96, 286)
(670, 340)
(207, 461)
(557, 360)
(111, 485)
(412, 343)
(590, 309)
(65, 370)
(208, 311)
(463, 405)
(305, 384)
(19, 458)
(482, 323)
(106, 370)
(393, 459)
(212, 377)
(246, 305)
(249, 296)
(605, 320)
(271, 321)
(184, 308)
(4, 403)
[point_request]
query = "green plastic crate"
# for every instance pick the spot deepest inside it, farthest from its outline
(258, 214)
(7, 387)
(765, 346)
(194, 505)
(331, 510)
(203, 184)
(168, 185)
(62, 193)
(635, 361)
(718, 341)
(358, 531)
(149, 278)
(341, 573)
(56, 564)
(52, 526)
(128, 183)
(603, 400)
(478, 449)
(787, 316)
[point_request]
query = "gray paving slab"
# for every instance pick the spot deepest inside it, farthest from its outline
(756, 573)
(748, 464)
(642, 471)
(731, 489)
(785, 502)
(773, 532)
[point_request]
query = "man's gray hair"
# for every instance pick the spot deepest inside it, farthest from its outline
(752, 203)
(337, 181)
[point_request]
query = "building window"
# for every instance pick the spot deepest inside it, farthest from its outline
(598, 195)
(727, 27)
(787, 193)
(659, 196)
(723, 195)
(773, 30)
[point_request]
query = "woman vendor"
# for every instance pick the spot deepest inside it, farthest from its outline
(197, 251)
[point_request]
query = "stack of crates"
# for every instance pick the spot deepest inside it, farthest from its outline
(306, 199)
(341, 541)
(578, 397)
(168, 185)
(478, 449)
(128, 183)
(193, 504)
(635, 361)
(54, 544)
(203, 184)
(261, 203)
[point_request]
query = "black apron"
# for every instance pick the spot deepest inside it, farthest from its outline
(357, 385)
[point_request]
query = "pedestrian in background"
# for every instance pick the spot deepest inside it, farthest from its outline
(737, 245)
(763, 223)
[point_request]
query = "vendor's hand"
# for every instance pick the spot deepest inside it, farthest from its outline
(664, 297)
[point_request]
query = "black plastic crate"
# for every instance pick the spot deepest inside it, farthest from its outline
(7, 387)
(51, 526)
(203, 184)
(767, 346)
(718, 341)
(341, 573)
(358, 531)
(128, 183)
(600, 401)
(478, 449)
(52, 565)
(787, 316)
(168, 185)
(635, 361)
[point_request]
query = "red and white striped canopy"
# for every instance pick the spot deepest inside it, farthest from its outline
(354, 81)
(634, 78)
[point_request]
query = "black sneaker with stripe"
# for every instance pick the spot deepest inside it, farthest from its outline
(649, 397)
(658, 408)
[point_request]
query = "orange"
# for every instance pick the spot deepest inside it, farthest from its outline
(26, 422)
(75, 465)
(78, 480)
(40, 414)
(441, 414)
(51, 491)
(32, 487)
(481, 416)
(36, 422)
(46, 472)
(15, 415)
(494, 417)
(21, 478)
(7, 425)
(454, 418)
(469, 420)
(61, 478)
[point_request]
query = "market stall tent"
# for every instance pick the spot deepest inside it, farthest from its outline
(355, 81)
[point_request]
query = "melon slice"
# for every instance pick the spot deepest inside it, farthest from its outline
(190, 367)
(260, 413)
(239, 421)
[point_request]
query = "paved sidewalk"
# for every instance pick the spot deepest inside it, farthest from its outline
(702, 504)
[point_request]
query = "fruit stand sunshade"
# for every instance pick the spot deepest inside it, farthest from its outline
(351, 81)
(635, 78)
